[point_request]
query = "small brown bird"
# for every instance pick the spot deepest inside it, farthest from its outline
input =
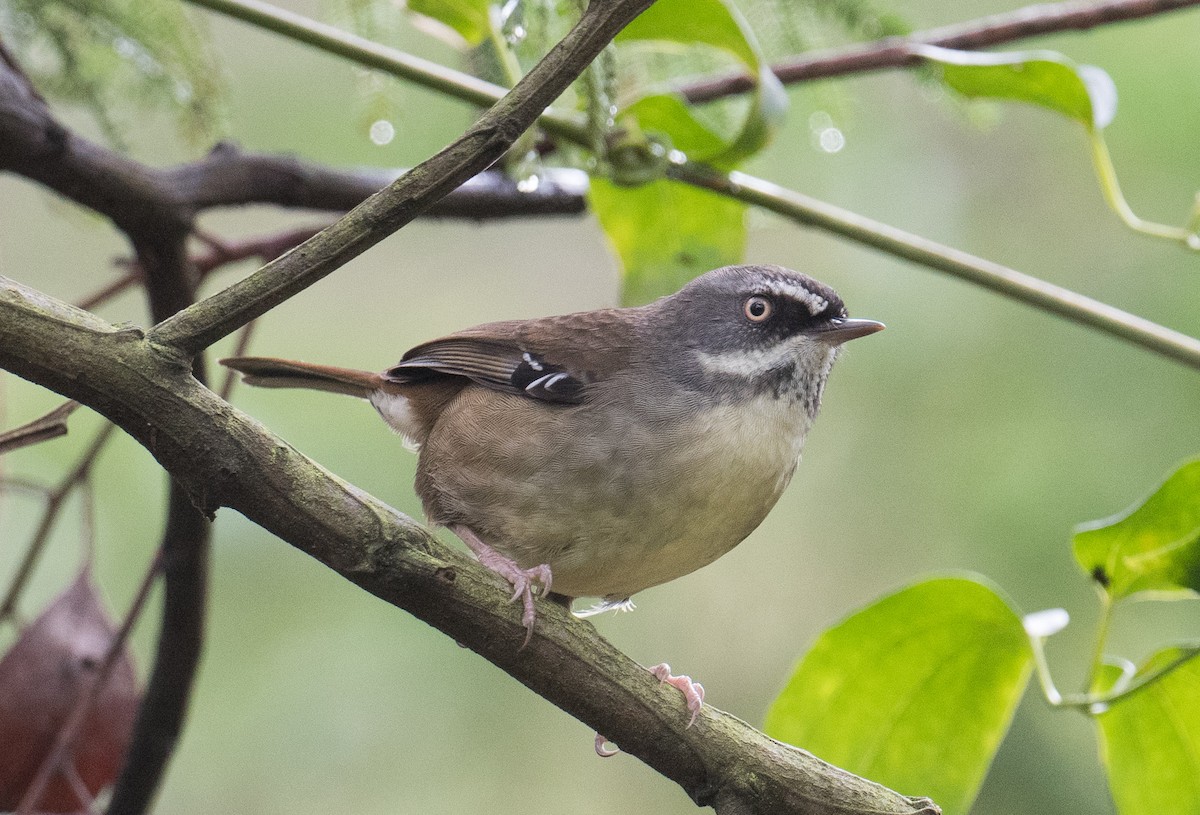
(609, 451)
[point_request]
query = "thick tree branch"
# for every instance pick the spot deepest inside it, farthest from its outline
(224, 458)
(229, 176)
(897, 52)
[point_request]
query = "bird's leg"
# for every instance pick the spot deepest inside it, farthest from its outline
(693, 692)
(522, 580)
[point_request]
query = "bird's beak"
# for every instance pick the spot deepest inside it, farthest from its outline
(838, 331)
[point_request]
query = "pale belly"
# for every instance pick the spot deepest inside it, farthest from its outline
(612, 510)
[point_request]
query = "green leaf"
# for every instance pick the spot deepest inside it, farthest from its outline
(1084, 93)
(1151, 547)
(1150, 740)
(717, 25)
(470, 18)
(667, 233)
(915, 691)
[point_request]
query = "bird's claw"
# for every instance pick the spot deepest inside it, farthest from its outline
(602, 751)
(693, 692)
(523, 581)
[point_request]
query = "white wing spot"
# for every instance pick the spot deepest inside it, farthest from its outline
(531, 362)
(545, 382)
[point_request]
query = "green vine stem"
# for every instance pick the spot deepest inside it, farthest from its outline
(1107, 176)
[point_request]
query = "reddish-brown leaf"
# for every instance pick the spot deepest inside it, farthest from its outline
(42, 676)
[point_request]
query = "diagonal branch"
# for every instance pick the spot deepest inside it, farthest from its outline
(484, 142)
(224, 458)
(897, 52)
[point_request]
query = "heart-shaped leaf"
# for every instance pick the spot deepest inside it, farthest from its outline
(915, 691)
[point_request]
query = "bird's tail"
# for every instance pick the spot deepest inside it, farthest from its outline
(268, 372)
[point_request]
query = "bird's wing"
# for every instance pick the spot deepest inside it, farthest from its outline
(553, 359)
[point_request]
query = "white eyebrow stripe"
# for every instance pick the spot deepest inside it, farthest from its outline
(815, 302)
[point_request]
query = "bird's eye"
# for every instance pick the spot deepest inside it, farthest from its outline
(757, 308)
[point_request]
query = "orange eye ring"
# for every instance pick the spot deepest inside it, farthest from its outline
(758, 309)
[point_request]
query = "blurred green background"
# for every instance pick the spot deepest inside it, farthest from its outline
(971, 435)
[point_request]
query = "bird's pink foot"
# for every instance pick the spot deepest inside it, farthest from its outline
(523, 581)
(605, 752)
(693, 692)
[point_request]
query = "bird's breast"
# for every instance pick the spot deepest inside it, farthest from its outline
(615, 500)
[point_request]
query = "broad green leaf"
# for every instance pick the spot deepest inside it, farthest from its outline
(1084, 93)
(667, 233)
(1151, 547)
(915, 691)
(718, 25)
(467, 17)
(1150, 740)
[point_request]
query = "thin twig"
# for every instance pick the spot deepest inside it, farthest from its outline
(422, 72)
(897, 52)
(220, 254)
(54, 503)
(131, 278)
(51, 426)
(183, 561)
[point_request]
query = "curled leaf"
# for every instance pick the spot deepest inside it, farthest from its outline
(42, 676)
(1084, 93)
(718, 26)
